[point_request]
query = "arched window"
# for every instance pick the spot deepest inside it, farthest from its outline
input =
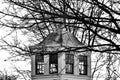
(83, 65)
(39, 64)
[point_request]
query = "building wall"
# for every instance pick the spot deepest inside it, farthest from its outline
(60, 77)
(61, 69)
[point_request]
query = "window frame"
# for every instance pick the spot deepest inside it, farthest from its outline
(69, 61)
(53, 63)
(83, 63)
(39, 61)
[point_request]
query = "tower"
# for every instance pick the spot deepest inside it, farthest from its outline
(61, 63)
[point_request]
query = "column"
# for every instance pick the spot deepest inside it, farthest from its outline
(76, 64)
(33, 66)
(89, 64)
(61, 63)
(46, 64)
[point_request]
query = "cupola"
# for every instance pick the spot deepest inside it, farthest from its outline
(53, 59)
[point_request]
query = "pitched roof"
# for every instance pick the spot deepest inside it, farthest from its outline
(56, 40)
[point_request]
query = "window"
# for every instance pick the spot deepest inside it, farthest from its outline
(82, 65)
(69, 63)
(39, 64)
(53, 64)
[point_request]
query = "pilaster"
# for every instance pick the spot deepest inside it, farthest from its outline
(46, 64)
(61, 63)
(33, 66)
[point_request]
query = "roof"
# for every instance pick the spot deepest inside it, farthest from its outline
(57, 40)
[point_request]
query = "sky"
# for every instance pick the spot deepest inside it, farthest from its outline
(3, 54)
(7, 65)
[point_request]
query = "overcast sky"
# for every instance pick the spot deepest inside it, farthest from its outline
(4, 55)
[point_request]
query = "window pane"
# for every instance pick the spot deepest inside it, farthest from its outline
(39, 64)
(40, 68)
(82, 65)
(69, 63)
(69, 58)
(53, 68)
(69, 68)
(53, 63)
